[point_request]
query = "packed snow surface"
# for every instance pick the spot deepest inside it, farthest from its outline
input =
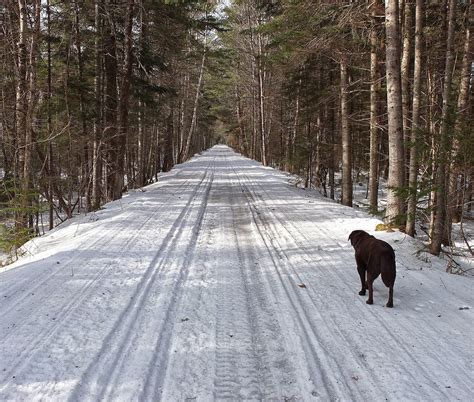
(223, 281)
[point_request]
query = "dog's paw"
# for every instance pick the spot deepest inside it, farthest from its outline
(370, 301)
(362, 293)
(389, 305)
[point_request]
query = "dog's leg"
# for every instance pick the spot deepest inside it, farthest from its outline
(361, 268)
(390, 297)
(361, 271)
(370, 281)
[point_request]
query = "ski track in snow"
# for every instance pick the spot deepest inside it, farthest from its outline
(223, 282)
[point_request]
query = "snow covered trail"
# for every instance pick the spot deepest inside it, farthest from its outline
(222, 281)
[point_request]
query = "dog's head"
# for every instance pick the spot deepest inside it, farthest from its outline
(356, 236)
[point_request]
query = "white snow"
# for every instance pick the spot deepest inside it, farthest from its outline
(222, 281)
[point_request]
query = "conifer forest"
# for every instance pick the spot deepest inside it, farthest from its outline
(100, 96)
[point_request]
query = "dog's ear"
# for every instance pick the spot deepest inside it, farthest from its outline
(352, 236)
(355, 237)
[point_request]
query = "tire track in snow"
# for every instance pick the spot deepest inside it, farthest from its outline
(36, 341)
(391, 331)
(190, 363)
(420, 373)
(250, 362)
(277, 376)
(56, 321)
(242, 362)
(419, 368)
(51, 288)
(50, 326)
(233, 334)
(103, 375)
(17, 296)
(156, 374)
(336, 279)
(329, 340)
(321, 358)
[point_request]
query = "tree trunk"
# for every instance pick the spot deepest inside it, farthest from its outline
(261, 101)
(185, 154)
(243, 141)
(21, 115)
(405, 74)
(291, 138)
(123, 103)
(96, 147)
(374, 109)
(49, 121)
(110, 113)
(180, 143)
(80, 64)
(168, 151)
(415, 128)
(445, 140)
(30, 108)
(141, 180)
(396, 171)
(454, 207)
(346, 138)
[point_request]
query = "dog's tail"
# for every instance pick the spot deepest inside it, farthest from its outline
(388, 269)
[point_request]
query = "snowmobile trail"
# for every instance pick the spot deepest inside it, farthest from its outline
(132, 325)
(223, 281)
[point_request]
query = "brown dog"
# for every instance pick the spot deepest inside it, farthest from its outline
(375, 257)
